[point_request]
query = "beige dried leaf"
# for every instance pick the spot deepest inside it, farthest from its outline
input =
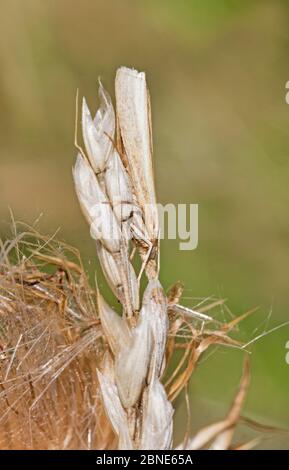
(130, 282)
(119, 189)
(120, 276)
(85, 187)
(111, 270)
(154, 305)
(134, 119)
(157, 423)
(98, 134)
(105, 227)
(95, 206)
(115, 411)
(132, 362)
(115, 327)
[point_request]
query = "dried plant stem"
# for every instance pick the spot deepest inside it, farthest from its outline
(115, 187)
(116, 191)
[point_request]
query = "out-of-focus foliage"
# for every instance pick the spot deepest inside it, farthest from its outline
(217, 74)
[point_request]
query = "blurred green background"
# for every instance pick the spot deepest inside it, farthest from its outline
(217, 72)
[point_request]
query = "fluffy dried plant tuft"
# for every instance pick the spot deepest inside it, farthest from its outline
(76, 374)
(51, 343)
